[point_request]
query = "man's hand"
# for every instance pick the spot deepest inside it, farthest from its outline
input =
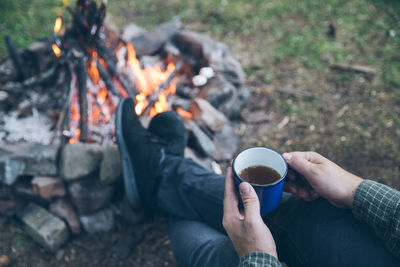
(317, 176)
(246, 230)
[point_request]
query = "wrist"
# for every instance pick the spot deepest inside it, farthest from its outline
(354, 183)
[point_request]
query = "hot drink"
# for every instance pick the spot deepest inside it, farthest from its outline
(260, 175)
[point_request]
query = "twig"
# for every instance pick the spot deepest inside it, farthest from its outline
(355, 68)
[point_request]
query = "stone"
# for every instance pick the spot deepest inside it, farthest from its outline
(210, 53)
(199, 140)
(23, 189)
(226, 143)
(147, 43)
(63, 209)
(9, 207)
(26, 159)
(207, 115)
(89, 195)
(218, 91)
(101, 221)
(111, 166)
(79, 160)
(48, 187)
(235, 105)
(45, 228)
(206, 162)
(132, 31)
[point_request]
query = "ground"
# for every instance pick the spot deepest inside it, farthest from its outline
(353, 119)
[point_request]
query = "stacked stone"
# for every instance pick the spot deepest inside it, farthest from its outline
(57, 192)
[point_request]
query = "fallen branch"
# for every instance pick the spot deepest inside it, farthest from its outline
(354, 68)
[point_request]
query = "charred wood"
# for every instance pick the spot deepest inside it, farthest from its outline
(80, 70)
(16, 58)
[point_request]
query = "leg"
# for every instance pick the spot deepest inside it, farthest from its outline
(319, 234)
(196, 244)
(189, 191)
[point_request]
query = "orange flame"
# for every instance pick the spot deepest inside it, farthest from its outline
(148, 81)
(57, 24)
(56, 50)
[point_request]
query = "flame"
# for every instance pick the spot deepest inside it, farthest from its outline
(56, 50)
(93, 71)
(57, 24)
(65, 3)
(148, 81)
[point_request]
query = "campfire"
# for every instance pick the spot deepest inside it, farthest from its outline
(58, 99)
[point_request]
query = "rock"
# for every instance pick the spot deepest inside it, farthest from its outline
(48, 187)
(9, 207)
(63, 209)
(89, 195)
(45, 228)
(203, 161)
(207, 115)
(4, 261)
(23, 189)
(218, 91)
(147, 43)
(198, 139)
(132, 31)
(210, 53)
(26, 159)
(5, 192)
(226, 143)
(111, 166)
(79, 160)
(234, 106)
(100, 221)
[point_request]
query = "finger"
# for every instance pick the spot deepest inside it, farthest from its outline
(250, 201)
(301, 162)
(230, 197)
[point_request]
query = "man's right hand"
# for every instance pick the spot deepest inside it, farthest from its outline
(320, 177)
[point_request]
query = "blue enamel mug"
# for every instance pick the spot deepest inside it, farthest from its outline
(269, 195)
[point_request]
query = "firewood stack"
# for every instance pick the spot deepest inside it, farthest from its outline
(71, 83)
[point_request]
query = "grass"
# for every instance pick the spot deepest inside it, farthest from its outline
(284, 43)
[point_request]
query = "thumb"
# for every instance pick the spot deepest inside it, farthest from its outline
(250, 200)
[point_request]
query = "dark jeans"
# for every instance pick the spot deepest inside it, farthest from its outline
(306, 233)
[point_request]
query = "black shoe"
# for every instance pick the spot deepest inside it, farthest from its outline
(142, 155)
(169, 128)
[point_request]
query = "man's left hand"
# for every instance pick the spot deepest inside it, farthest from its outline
(246, 229)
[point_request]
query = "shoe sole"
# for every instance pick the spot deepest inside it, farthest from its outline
(131, 189)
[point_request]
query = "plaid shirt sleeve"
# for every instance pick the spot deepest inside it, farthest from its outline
(258, 259)
(379, 206)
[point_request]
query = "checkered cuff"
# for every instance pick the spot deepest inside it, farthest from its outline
(379, 206)
(258, 259)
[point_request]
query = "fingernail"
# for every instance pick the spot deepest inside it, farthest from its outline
(244, 188)
(287, 156)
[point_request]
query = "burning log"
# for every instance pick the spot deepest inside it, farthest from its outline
(80, 69)
(107, 79)
(154, 96)
(16, 58)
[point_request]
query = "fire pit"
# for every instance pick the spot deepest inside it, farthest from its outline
(59, 166)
